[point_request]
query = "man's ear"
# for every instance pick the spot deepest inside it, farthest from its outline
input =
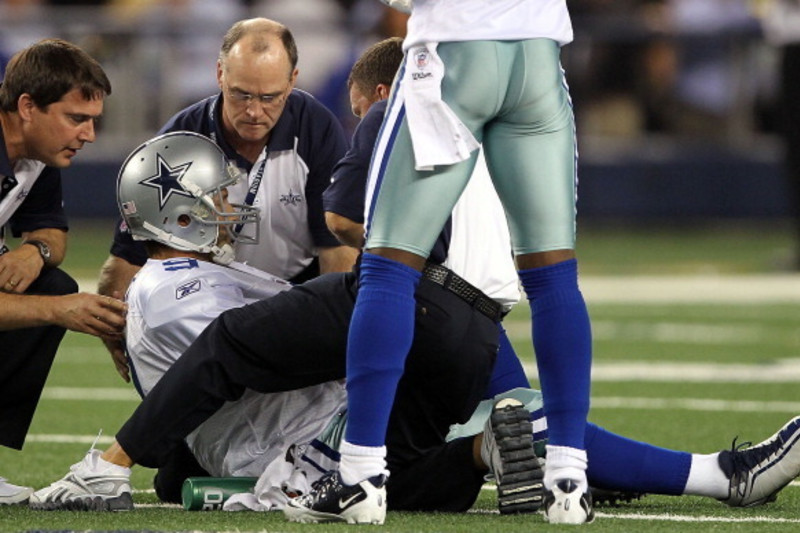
(383, 91)
(25, 106)
(219, 74)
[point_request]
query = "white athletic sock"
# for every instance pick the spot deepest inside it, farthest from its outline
(361, 462)
(706, 478)
(564, 462)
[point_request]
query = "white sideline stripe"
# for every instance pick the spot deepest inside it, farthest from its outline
(695, 404)
(81, 393)
(67, 439)
(685, 518)
(491, 487)
(668, 517)
(781, 371)
(689, 288)
(623, 402)
(756, 288)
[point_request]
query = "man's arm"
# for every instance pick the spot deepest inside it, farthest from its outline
(86, 313)
(115, 276)
(337, 259)
(20, 267)
(346, 230)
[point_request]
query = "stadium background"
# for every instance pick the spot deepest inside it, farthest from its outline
(676, 100)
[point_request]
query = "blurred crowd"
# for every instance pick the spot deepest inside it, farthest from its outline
(711, 68)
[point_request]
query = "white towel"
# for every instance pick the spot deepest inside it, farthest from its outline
(437, 134)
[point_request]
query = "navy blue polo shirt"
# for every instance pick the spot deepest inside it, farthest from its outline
(346, 195)
(30, 196)
(294, 169)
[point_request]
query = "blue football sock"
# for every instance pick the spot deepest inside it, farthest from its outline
(563, 346)
(381, 332)
(624, 464)
(508, 372)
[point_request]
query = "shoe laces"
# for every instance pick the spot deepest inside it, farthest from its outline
(745, 456)
(326, 483)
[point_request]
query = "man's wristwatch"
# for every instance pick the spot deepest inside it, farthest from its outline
(44, 250)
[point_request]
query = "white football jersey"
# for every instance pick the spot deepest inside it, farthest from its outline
(170, 302)
(483, 20)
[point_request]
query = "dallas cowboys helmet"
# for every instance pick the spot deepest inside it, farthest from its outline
(166, 192)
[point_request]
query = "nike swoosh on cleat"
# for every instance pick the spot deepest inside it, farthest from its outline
(346, 503)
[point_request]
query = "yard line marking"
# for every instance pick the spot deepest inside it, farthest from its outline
(781, 371)
(67, 439)
(90, 393)
(687, 518)
(660, 289)
(750, 288)
(695, 404)
(668, 517)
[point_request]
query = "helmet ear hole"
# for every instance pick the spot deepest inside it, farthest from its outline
(184, 220)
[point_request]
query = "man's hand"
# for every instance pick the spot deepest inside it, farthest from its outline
(102, 316)
(115, 276)
(116, 347)
(19, 268)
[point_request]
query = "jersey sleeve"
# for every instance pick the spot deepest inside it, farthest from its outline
(43, 207)
(327, 147)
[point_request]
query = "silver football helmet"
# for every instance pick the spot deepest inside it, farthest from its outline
(169, 190)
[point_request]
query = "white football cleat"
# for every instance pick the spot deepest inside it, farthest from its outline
(330, 500)
(11, 494)
(759, 472)
(91, 485)
(565, 504)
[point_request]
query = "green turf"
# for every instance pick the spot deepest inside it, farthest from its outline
(625, 334)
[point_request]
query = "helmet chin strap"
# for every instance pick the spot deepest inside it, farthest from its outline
(222, 255)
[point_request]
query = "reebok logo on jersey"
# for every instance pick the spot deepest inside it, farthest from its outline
(187, 288)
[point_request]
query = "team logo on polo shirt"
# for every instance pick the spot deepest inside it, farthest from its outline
(166, 180)
(290, 198)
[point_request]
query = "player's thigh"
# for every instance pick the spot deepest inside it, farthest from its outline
(411, 207)
(531, 151)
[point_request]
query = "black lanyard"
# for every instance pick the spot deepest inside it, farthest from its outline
(253, 190)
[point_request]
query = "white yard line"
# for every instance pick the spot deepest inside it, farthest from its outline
(781, 371)
(758, 288)
(767, 288)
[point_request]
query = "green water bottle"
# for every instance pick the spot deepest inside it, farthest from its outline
(209, 493)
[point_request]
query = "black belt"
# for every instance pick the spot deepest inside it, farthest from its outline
(448, 279)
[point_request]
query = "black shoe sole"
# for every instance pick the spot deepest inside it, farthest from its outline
(521, 489)
(124, 502)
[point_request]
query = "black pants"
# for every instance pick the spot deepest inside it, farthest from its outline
(298, 338)
(27, 356)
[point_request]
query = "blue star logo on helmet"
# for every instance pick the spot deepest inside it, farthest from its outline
(166, 180)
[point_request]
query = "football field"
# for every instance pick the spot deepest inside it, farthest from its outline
(696, 342)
